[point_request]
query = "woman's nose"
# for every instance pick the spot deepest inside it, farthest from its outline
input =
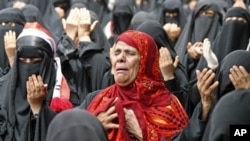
(121, 58)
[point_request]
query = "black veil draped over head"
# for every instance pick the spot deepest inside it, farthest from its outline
(237, 58)
(78, 125)
(232, 109)
(233, 35)
(12, 15)
(146, 5)
(17, 118)
(122, 14)
(50, 17)
(170, 6)
(100, 7)
(139, 18)
(197, 29)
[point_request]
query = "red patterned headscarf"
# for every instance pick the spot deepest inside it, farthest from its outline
(159, 113)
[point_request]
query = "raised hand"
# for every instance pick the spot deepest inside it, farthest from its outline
(209, 55)
(166, 63)
(172, 30)
(196, 50)
(10, 45)
(85, 26)
(36, 92)
(240, 77)
(206, 86)
(72, 22)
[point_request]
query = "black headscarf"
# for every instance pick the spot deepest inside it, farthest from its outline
(50, 17)
(122, 14)
(78, 125)
(33, 14)
(233, 35)
(147, 5)
(100, 7)
(197, 28)
(238, 58)
(97, 35)
(155, 30)
(171, 6)
(232, 109)
(139, 18)
(9, 15)
(14, 92)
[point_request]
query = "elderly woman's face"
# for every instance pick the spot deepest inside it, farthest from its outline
(125, 63)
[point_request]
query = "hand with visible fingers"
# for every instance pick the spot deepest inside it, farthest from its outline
(172, 30)
(240, 77)
(206, 86)
(166, 63)
(72, 22)
(132, 124)
(107, 117)
(85, 26)
(10, 45)
(36, 92)
(196, 50)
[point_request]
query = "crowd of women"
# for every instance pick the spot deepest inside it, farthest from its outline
(123, 70)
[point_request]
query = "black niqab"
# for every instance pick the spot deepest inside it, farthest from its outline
(9, 15)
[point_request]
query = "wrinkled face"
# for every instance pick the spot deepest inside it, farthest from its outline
(125, 61)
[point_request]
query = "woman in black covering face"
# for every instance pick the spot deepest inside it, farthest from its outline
(27, 90)
(171, 11)
(78, 125)
(233, 109)
(121, 17)
(85, 64)
(10, 19)
(235, 32)
(205, 22)
(234, 35)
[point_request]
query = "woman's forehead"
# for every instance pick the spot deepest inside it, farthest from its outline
(123, 45)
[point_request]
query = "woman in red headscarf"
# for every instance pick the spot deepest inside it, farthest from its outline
(138, 106)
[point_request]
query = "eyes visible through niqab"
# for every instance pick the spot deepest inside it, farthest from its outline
(207, 13)
(240, 19)
(30, 60)
(7, 24)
